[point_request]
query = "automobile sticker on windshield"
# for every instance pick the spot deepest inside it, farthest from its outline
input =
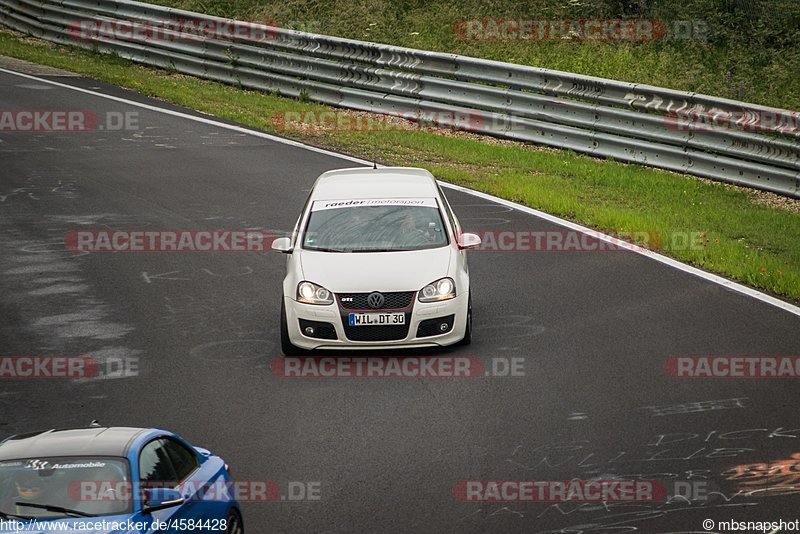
(39, 465)
(367, 202)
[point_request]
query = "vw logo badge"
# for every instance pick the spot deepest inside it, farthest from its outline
(375, 300)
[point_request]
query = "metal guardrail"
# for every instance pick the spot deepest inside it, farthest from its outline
(752, 145)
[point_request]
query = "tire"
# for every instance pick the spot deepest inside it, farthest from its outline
(467, 339)
(235, 525)
(287, 347)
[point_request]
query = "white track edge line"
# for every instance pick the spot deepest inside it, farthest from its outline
(212, 122)
(710, 277)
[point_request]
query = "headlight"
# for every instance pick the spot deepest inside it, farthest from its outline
(444, 289)
(313, 294)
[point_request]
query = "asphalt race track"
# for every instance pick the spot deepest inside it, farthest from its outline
(594, 332)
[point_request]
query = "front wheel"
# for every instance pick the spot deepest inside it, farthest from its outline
(467, 339)
(235, 525)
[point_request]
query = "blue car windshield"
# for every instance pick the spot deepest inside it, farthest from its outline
(92, 486)
(374, 228)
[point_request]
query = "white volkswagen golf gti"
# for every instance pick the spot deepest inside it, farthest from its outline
(377, 260)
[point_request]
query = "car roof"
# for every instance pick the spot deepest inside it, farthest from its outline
(92, 441)
(366, 182)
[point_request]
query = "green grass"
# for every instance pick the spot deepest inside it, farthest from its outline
(747, 240)
(749, 52)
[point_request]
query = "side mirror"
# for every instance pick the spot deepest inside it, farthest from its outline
(469, 240)
(160, 499)
(282, 244)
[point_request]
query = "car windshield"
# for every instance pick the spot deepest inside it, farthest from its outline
(375, 225)
(92, 486)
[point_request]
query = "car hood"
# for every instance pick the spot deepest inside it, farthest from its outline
(361, 272)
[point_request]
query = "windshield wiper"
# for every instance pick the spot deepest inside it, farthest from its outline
(323, 249)
(53, 508)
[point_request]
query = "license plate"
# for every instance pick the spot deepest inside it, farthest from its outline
(380, 319)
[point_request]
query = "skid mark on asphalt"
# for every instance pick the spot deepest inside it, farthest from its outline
(58, 289)
(699, 406)
(735, 467)
(56, 304)
(34, 190)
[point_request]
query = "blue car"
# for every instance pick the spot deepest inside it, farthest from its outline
(113, 480)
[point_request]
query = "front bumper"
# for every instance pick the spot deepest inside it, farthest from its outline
(335, 316)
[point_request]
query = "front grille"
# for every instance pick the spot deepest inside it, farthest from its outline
(392, 301)
(430, 327)
(321, 330)
(398, 300)
(376, 333)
